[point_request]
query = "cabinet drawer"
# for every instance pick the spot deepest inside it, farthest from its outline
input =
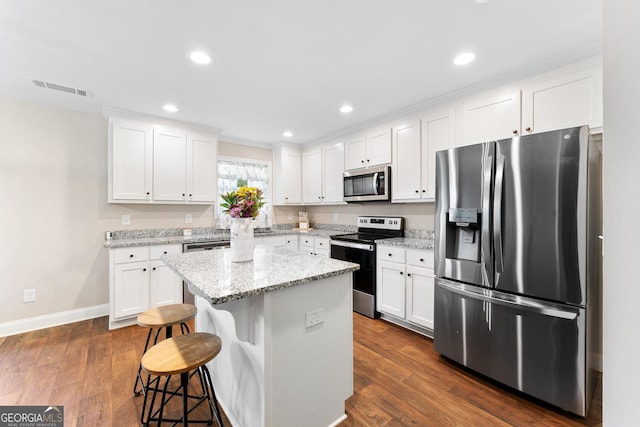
(133, 254)
(420, 258)
(306, 242)
(391, 253)
(323, 253)
(158, 251)
(322, 243)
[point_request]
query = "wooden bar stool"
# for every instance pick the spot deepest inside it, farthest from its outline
(166, 317)
(182, 355)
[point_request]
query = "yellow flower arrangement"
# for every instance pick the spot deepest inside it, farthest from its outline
(245, 202)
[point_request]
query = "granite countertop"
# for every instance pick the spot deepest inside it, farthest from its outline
(155, 237)
(212, 275)
(408, 242)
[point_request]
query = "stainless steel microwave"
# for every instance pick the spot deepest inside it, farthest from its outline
(363, 185)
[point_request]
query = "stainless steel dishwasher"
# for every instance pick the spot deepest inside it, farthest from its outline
(187, 296)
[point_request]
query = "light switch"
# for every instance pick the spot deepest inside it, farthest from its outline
(126, 219)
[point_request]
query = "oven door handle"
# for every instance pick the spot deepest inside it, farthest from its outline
(353, 245)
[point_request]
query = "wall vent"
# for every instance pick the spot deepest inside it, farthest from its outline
(61, 88)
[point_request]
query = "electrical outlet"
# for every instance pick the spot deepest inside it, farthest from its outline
(335, 217)
(126, 219)
(314, 318)
(188, 218)
(290, 217)
(29, 295)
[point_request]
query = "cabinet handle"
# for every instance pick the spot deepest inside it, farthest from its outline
(362, 161)
(421, 259)
(368, 160)
(319, 197)
(528, 129)
(165, 252)
(401, 273)
(154, 269)
(390, 254)
(148, 193)
(424, 191)
(408, 274)
(144, 269)
(183, 194)
(417, 191)
(515, 131)
(131, 256)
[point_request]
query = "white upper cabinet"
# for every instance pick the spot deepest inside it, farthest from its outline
(438, 133)
(159, 164)
(130, 161)
(332, 173)
(287, 175)
(370, 149)
(312, 176)
(354, 153)
(407, 170)
(322, 172)
(169, 165)
(202, 178)
(414, 155)
(491, 116)
(561, 101)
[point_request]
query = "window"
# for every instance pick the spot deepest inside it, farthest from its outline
(257, 174)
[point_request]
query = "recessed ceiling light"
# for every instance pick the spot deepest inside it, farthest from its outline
(170, 108)
(346, 109)
(287, 134)
(464, 58)
(200, 57)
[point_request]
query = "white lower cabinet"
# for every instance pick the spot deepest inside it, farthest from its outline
(315, 245)
(138, 280)
(292, 242)
(405, 284)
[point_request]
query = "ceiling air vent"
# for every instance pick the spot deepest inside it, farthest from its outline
(61, 88)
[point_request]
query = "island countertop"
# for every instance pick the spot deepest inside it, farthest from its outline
(212, 275)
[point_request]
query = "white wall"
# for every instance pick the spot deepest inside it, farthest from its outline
(621, 182)
(53, 185)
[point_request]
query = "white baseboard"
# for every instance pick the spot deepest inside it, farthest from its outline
(53, 319)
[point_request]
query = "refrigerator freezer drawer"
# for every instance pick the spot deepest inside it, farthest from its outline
(536, 348)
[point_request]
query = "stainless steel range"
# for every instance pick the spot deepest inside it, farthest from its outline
(360, 248)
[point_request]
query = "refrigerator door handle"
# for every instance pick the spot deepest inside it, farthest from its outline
(508, 300)
(487, 273)
(497, 215)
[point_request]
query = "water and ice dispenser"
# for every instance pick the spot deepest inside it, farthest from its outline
(463, 234)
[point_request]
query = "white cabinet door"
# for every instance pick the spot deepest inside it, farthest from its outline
(165, 286)
(407, 162)
(202, 176)
(491, 117)
(312, 176)
(169, 165)
(354, 153)
(420, 296)
(378, 147)
(131, 289)
(292, 243)
(438, 133)
(390, 285)
(292, 177)
(131, 160)
(333, 170)
(566, 101)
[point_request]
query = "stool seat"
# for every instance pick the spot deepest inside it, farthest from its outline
(167, 315)
(180, 354)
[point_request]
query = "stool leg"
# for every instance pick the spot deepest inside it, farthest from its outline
(138, 376)
(184, 328)
(184, 381)
(213, 394)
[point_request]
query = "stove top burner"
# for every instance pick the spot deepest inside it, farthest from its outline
(360, 237)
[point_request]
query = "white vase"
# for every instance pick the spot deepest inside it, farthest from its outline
(241, 239)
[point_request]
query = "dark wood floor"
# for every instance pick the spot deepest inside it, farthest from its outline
(399, 380)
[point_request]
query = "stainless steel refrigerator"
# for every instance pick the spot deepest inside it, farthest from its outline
(517, 262)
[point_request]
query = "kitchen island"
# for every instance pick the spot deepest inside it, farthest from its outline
(285, 320)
